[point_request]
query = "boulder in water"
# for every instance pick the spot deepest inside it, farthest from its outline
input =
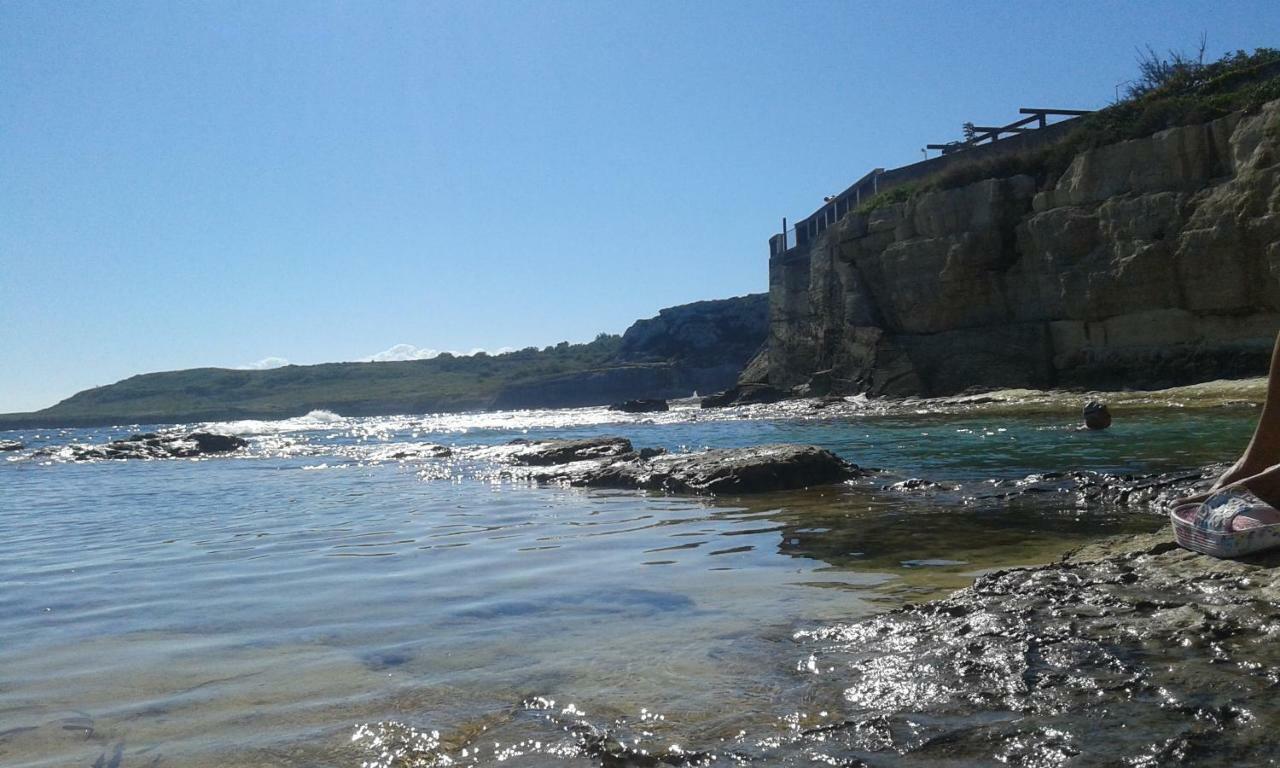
(11, 445)
(725, 471)
(207, 442)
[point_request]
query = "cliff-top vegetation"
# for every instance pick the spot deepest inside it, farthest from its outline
(1170, 91)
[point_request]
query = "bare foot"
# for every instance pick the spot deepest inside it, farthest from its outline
(1265, 485)
(1238, 471)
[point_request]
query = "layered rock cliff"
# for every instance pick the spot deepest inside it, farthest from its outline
(698, 347)
(1148, 263)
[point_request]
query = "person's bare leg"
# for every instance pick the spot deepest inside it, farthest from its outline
(1264, 448)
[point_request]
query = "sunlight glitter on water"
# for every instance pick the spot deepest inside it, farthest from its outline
(259, 609)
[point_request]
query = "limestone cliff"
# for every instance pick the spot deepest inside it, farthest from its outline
(1149, 262)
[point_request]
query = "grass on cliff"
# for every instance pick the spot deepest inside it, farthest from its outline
(899, 194)
(1169, 93)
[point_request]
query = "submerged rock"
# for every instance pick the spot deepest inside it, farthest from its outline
(150, 445)
(405, 451)
(645, 405)
(11, 445)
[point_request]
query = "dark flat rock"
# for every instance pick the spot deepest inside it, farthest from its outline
(210, 443)
(11, 445)
(745, 394)
(641, 406)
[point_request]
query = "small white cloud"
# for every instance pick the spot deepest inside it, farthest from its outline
(490, 352)
(264, 363)
(401, 352)
(409, 352)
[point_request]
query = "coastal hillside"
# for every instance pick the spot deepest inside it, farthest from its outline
(699, 346)
(1142, 250)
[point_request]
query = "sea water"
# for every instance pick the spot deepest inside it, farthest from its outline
(338, 595)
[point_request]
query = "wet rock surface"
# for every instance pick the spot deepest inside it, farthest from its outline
(1133, 652)
(1080, 487)
(11, 445)
(149, 445)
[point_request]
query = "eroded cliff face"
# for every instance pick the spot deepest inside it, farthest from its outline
(1151, 262)
(698, 347)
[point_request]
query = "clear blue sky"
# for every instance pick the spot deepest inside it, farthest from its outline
(213, 184)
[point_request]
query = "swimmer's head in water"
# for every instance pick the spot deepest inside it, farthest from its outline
(1096, 415)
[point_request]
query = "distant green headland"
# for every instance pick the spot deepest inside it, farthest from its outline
(694, 347)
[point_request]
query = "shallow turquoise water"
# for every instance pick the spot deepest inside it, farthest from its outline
(257, 610)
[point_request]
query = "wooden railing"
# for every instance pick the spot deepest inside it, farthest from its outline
(988, 133)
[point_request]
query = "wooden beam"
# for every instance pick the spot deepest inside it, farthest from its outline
(1025, 121)
(1070, 112)
(1004, 129)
